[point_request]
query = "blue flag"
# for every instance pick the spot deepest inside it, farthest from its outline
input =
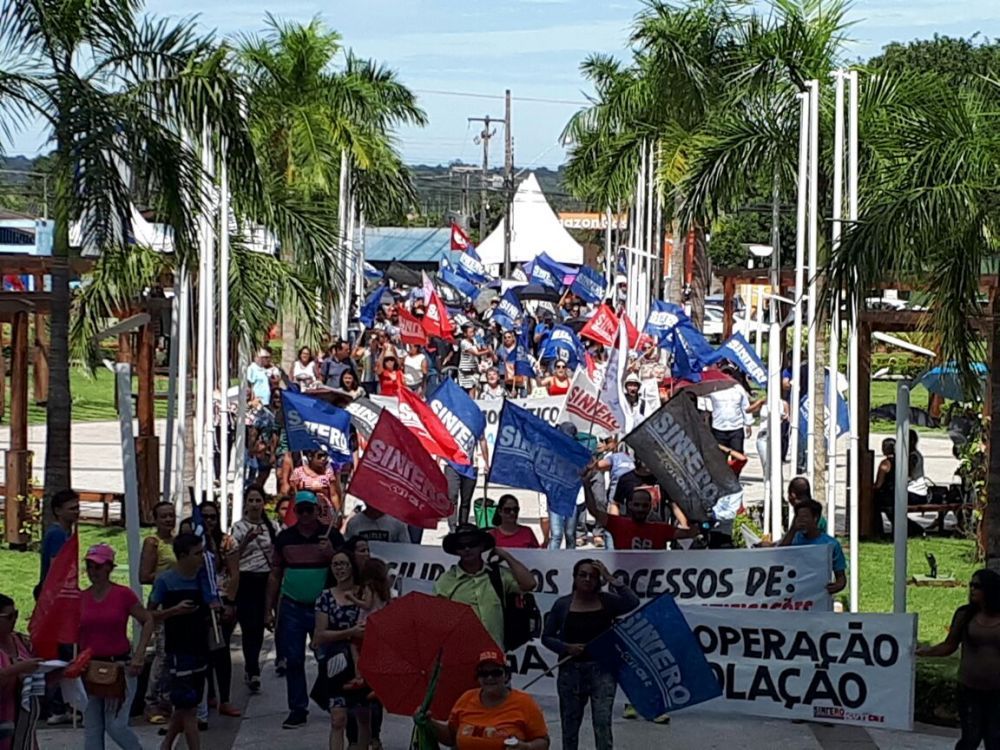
(589, 285)
(622, 265)
(312, 424)
(531, 454)
(508, 311)
(843, 414)
(564, 344)
(371, 305)
(466, 288)
(663, 318)
(471, 252)
(738, 351)
(471, 269)
(682, 368)
(371, 273)
(547, 272)
(657, 660)
(463, 419)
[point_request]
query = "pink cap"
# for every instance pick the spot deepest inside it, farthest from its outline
(100, 554)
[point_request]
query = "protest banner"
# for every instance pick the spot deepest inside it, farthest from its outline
(471, 268)
(656, 660)
(547, 409)
(461, 417)
(584, 408)
(785, 578)
(411, 330)
(543, 274)
(602, 326)
(564, 344)
(533, 455)
(829, 667)
(397, 476)
(313, 424)
(682, 452)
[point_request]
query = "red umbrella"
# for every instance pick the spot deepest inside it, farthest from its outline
(403, 640)
(711, 381)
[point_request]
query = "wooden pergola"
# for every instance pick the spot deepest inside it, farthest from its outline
(886, 321)
(137, 347)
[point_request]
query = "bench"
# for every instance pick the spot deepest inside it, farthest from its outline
(105, 499)
(959, 509)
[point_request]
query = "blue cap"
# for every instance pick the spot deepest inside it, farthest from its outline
(305, 496)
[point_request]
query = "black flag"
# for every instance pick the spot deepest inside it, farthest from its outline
(364, 414)
(684, 456)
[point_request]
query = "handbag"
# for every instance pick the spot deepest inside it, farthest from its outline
(522, 620)
(105, 679)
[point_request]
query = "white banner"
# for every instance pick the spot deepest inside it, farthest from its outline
(817, 666)
(776, 578)
(584, 408)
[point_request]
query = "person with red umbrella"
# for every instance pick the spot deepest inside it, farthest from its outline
(490, 716)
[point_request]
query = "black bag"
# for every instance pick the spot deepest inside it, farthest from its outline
(522, 620)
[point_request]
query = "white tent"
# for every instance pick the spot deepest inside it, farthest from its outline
(535, 230)
(154, 236)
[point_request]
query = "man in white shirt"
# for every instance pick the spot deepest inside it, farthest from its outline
(731, 418)
(259, 374)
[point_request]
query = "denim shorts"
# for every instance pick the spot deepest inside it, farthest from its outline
(187, 680)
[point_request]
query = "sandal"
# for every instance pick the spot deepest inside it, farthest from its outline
(228, 709)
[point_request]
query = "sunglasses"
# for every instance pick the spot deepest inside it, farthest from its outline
(560, 367)
(496, 672)
(511, 509)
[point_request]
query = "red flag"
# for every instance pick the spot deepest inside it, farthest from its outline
(602, 327)
(411, 331)
(428, 428)
(56, 618)
(633, 332)
(397, 476)
(459, 238)
(435, 320)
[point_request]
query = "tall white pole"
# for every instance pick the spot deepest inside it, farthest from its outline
(609, 260)
(172, 370)
(795, 395)
(899, 522)
(854, 363)
(123, 382)
(208, 426)
(777, 483)
(179, 466)
(647, 266)
(759, 345)
(224, 337)
(813, 248)
(339, 271)
(838, 215)
(239, 446)
(200, 381)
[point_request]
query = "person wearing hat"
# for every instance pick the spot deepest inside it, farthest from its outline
(302, 555)
(105, 609)
(493, 714)
(468, 581)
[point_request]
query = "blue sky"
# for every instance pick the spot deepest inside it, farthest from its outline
(533, 47)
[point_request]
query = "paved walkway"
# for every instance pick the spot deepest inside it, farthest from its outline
(260, 728)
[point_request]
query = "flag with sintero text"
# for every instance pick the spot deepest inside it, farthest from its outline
(398, 477)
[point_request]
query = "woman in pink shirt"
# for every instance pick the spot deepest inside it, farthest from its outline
(105, 609)
(318, 477)
(508, 532)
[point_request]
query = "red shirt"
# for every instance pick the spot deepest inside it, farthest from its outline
(523, 538)
(104, 624)
(389, 382)
(627, 534)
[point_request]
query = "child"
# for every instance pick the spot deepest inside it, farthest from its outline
(375, 594)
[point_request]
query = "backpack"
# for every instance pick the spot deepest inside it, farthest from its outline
(522, 620)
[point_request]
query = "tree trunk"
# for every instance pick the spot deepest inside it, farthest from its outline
(701, 277)
(990, 530)
(58, 414)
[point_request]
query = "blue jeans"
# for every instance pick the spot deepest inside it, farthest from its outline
(107, 717)
(561, 526)
(296, 623)
(578, 682)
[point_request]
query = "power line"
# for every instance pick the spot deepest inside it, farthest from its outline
(472, 95)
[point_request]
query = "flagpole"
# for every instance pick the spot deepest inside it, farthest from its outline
(774, 367)
(172, 367)
(224, 341)
(795, 397)
(208, 426)
(832, 375)
(123, 383)
(854, 361)
(179, 464)
(813, 224)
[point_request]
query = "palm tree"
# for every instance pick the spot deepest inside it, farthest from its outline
(305, 113)
(122, 98)
(930, 199)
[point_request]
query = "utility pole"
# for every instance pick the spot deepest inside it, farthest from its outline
(508, 184)
(484, 139)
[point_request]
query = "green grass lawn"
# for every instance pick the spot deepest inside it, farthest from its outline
(93, 397)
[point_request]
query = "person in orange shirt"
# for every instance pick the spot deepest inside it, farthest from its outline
(487, 717)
